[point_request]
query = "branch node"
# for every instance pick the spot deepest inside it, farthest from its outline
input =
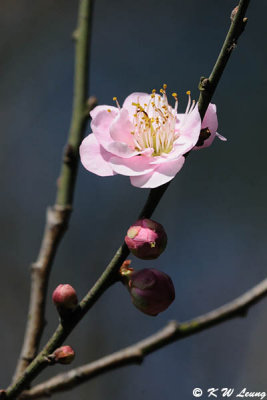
(75, 35)
(58, 216)
(50, 359)
(173, 326)
(232, 46)
(36, 267)
(233, 13)
(29, 359)
(204, 84)
(69, 155)
(91, 103)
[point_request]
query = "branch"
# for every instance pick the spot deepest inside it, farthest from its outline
(136, 353)
(58, 216)
(207, 86)
(109, 276)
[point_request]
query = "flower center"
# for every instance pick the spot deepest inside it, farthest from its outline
(155, 123)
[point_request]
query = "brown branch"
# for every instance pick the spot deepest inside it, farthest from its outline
(109, 275)
(135, 354)
(58, 216)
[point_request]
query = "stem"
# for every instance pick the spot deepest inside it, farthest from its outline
(109, 276)
(58, 216)
(208, 86)
(136, 353)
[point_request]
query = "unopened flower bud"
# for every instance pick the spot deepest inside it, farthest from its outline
(65, 299)
(146, 239)
(152, 291)
(233, 13)
(2, 394)
(63, 355)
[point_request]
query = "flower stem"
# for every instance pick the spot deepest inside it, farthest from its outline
(207, 88)
(58, 216)
(136, 353)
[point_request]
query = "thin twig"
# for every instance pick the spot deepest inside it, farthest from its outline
(58, 216)
(109, 275)
(135, 353)
(208, 86)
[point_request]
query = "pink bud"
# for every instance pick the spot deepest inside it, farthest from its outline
(152, 291)
(65, 299)
(63, 355)
(146, 239)
(233, 13)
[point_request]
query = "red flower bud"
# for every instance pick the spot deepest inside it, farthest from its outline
(146, 239)
(152, 291)
(233, 13)
(63, 355)
(65, 299)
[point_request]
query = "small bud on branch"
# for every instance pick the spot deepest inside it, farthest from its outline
(63, 355)
(146, 239)
(233, 13)
(152, 291)
(65, 299)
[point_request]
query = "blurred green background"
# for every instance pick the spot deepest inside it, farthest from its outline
(214, 211)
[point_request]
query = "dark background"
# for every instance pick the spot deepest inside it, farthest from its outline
(214, 211)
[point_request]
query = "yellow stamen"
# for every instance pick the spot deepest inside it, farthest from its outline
(117, 103)
(188, 92)
(164, 86)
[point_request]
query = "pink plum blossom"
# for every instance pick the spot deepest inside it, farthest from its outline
(145, 139)
(209, 128)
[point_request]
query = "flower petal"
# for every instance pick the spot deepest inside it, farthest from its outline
(97, 109)
(137, 97)
(162, 174)
(210, 119)
(221, 137)
(100, 125)
(121, 127)
(101, 128)
(121, 150)
(134, 166)
(94, 158)
(189, 127)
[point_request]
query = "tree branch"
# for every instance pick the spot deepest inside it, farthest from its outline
(207, 86)
(135, 354)
(58, 216)
(109, 275)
